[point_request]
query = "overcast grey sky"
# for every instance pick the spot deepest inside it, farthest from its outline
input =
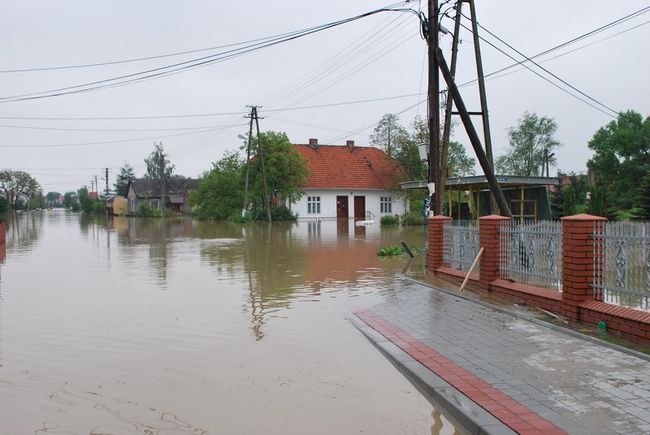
(373, 58)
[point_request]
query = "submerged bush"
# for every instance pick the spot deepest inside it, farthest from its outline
(389, 219)
(412, 218)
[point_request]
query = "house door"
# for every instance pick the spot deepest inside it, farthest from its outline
(342, 207)
(359, 208)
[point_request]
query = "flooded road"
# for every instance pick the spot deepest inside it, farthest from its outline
(141, 326)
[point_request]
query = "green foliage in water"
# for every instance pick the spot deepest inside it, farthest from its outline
(281, 213)
(389, 219)
(412, 218)
(148, 210)
(390, 251)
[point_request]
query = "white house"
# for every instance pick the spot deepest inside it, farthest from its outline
(350, 182)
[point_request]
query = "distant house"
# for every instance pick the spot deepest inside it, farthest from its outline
(350, 182)
(116, 205)
(148, 190)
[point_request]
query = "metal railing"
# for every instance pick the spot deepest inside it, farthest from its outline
(622, 263)
(461, 244)
(531, 253)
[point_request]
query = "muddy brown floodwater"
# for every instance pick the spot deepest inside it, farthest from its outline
(138, 326)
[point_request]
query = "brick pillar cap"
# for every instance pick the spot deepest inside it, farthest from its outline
(439, 217)
(494, 217)
(583, 217)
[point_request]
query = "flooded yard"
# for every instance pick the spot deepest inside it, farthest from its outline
(137, 326)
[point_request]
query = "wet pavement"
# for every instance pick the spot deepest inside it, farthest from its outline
(498, 371)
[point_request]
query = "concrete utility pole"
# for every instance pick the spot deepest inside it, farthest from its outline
(260, 152)
(161, 164)
(434, 108)
(106, 194)
(248, 159)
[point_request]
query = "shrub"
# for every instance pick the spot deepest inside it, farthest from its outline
(148, 210)
(389, 219)
(412, 218)
(281, 213)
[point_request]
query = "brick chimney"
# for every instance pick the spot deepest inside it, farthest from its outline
(349, 143)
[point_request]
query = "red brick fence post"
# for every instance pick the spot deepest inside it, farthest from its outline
(3, 233)
(490, 240)
(436, 241)
(577, 262)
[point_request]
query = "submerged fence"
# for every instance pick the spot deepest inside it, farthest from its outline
(531, 253)
(622, 263)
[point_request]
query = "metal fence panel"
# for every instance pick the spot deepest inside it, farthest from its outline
(622, 263)
(531, 253)
(460, 244)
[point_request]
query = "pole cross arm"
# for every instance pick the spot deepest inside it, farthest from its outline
(473, 136)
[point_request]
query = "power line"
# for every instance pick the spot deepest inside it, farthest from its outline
(548, 72)
(182, 66)
(84, 144)
(160, 56)
(117, 130)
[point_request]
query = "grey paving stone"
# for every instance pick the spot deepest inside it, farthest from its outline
(575, 382)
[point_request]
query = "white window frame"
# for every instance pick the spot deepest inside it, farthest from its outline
(313, 205)
(386, 204)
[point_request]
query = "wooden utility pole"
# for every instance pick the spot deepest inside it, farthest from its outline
(434, 108)
(473, 136)
(446, 132)
(487, 137)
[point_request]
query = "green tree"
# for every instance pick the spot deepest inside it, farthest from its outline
(406, 152)
(220, 193)
(389, 135)
(18, 186)
(570, 197)
(70, 200)
(123, 178)
(4, 207)
(620, 165)
(286, 171)
(158, 164)
(88, 204)
(52, 199)
(531, 146)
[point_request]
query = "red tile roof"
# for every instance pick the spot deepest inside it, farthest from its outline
(350, 167)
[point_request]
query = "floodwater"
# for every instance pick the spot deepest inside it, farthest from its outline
(138, 326)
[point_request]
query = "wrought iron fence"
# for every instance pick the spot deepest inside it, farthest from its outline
(622, 263)
(460, 244)
(531, 253)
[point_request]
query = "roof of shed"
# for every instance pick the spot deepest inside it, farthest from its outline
(150, 188)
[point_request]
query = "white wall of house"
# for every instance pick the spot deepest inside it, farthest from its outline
(398, 203)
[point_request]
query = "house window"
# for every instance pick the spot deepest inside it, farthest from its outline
(313, 204)
(386, 204)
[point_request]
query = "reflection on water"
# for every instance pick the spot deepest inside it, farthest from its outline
(177, 326)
